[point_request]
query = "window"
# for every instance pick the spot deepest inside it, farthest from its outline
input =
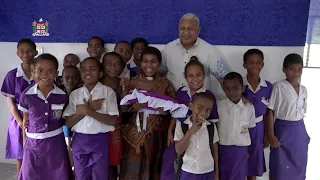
(312, 47)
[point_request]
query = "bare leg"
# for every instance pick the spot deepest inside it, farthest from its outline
(19, 163)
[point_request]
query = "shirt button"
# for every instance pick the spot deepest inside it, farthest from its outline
(198, 146)
(46, 102)
(46, 113)
(46, 125)
(185, 62)
(186, 51)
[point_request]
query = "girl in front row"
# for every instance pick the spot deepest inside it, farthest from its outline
(194, 74)
(45, 152)
(287, 135)
(91, 125)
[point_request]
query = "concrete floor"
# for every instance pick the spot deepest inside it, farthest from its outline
(7, 172)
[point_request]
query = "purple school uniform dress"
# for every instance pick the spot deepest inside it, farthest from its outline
(259, 98)
(13, 85)
(45, 152)
(184, 96)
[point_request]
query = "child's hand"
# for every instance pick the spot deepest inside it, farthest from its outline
(161, 111)
(24, 124)
(95, 104)
(170, 139)
(124, 82)
(196, 124)
(216, 175)
(136, 107)
(245, 100)
(273, 140)
(82, 109)
(265, 141)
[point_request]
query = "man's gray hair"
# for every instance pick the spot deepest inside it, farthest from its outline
(191, 16)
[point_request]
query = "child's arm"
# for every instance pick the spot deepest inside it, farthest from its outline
(172, 126)
(183, 144)
(14, 110)
(273, 140)
(112, 110)
(25, 126)
(70, 114)
(73, 120)
(104, 118)
(216, 160)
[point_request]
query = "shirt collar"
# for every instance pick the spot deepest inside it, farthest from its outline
(187, 88)
(232, 104)
(131, 63)
(34, 90)
(20, 73)
(178, 42)
(262, 83)
(97, 87)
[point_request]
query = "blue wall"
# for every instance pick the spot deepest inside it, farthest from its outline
(223, 22)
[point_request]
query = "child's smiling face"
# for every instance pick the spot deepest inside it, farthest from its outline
(150, 64)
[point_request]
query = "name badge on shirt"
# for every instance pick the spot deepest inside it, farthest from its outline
(264, 101)
(57, 106)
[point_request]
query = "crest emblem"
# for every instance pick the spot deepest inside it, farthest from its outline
(244, 129)
(57, 114)
(40, 28)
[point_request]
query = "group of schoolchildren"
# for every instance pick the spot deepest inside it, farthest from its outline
(73, 127)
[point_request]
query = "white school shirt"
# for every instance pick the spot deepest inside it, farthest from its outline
(286, 103)
(197, 158)
(175, 57)
(89, 125)
(234, 122)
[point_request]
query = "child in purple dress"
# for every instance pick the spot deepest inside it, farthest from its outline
(257, 91)
(15, 82)
(45, 153)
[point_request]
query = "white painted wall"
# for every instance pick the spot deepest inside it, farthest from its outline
(232, 54)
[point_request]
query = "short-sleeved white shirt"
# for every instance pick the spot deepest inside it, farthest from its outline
(197, 158)
(286, 103)
(175, 57)
(89, 125)
(234, 122)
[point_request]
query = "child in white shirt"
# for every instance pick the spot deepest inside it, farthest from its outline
(91, 124)
(235, 119)
(200, 158)
(286, 131)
